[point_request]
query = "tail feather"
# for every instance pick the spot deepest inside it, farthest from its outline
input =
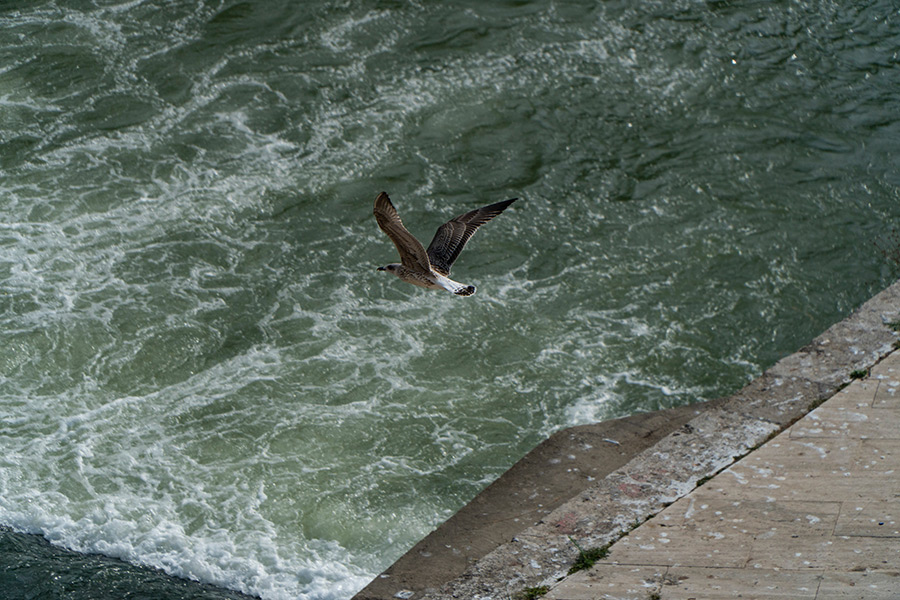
(455, 287)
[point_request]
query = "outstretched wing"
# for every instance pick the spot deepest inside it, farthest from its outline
(451, 237)
(412, 252)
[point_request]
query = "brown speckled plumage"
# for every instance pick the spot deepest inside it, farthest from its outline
(431, 268)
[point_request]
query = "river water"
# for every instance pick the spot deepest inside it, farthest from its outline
(201, 371)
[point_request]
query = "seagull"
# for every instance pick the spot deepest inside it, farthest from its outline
(431, 268)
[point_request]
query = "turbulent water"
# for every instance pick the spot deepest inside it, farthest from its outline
(202, 372)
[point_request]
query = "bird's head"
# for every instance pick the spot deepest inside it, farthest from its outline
(391, 267)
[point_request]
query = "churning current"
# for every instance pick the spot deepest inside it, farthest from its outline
(202, 372)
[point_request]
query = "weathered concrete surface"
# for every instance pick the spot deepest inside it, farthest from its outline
(561, 466)
(541, 554)
(813, 513)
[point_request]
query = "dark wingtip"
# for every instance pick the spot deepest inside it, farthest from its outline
(466, 291)
(500, 206)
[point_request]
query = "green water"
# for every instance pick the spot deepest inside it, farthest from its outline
(202, 372)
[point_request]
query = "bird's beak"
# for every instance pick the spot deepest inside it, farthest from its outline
(380, 269)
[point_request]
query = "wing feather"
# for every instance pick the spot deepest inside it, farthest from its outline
(451, 237)
(412, 252)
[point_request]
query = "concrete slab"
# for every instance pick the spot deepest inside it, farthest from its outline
(848, 415)
(835, 553)
(878, 585)
(804, 468)
(758, 584)
(632, 583)
(870, 518)
(699, 545)
(887, 396)
(693, 583)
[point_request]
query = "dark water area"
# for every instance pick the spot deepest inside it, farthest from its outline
(31, 568)
(202, 372)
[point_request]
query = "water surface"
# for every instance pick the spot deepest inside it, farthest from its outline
(202, 372)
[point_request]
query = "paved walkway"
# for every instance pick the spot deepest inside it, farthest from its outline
(813, 513)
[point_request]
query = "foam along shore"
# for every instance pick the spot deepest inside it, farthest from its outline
(585, 488)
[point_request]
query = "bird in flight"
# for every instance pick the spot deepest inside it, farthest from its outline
(431, 268)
